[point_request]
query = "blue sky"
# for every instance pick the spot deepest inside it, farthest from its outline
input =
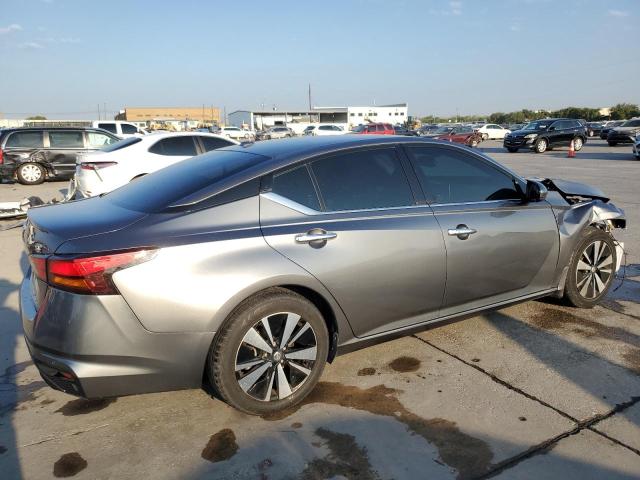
(63, 57)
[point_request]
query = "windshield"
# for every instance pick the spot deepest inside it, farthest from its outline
(540, 125)
(127, 142)
(359, 128)
(158, 190)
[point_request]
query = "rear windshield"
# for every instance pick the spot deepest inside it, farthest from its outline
(127, 142)
(188, 178)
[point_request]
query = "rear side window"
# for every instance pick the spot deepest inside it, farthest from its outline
(99, 140)
(119, 145)
(362, 180)
(128, 129)
(66, 140)
(183, 181)
(212, 143)
(25, 140)
(109, 127)
(296, 185)
(449, 176)
(182, 146)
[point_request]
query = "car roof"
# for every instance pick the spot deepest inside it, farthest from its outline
(159, 135)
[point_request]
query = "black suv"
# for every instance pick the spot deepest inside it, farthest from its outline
(542, 135)
(32, 155)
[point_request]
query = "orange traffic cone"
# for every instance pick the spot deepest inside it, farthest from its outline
(572, 150)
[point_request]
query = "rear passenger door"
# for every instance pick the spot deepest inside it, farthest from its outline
(498, 248)
(352, 221)
(64, 148)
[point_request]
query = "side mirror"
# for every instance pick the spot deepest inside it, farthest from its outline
(536, 191)
(551, 129)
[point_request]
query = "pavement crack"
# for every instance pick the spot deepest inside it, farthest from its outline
(499, 381)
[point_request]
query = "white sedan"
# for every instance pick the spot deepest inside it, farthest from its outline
(491, 131)
(237, 133)
(324, 130)
(121, 162)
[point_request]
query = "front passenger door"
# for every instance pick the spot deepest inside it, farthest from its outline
(498, 248)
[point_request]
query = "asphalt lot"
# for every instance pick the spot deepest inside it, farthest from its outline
(532, 391)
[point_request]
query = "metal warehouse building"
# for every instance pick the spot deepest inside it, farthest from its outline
(298, 120)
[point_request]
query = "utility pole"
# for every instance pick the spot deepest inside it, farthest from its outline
(99, 117)
(105, 111)
(309, 96)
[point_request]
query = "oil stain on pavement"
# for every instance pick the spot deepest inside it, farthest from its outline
(221, 446)
(82, 406)
(468, 455)
(405, 364)
(364, 372)
(69, 465)
(346, 460)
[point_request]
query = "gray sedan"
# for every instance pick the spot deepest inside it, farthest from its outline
(253, 266)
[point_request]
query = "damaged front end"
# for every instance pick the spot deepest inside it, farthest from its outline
(578, 206)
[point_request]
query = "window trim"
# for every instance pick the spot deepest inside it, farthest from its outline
(514, 177)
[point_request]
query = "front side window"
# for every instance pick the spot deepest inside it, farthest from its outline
(25, 140)
(128, 129)
(362, 180)
(182, 146)
(449, 176)
(109, 127)
(99, 140)
(66, 140)
(296, 185)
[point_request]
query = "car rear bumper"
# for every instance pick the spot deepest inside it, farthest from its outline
(94, 346)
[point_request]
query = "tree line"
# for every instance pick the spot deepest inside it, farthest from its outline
(620, 111)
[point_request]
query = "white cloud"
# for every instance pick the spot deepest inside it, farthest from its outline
(14, 27)
(59, 40)
(456, 8)
(514, 28)
(617, 13)
(30, 46)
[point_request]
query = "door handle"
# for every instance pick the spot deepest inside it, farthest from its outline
(461, 231)
(314, 236)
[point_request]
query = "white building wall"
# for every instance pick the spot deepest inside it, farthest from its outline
(379, 114)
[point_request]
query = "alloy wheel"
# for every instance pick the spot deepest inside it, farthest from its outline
(276, 356)
(31, 173)
(594, 270)
(577, 143)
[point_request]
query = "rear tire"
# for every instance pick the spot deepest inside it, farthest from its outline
(485, 136)
(578, 144)
(30, 174)
(592, 269)
(275, 380)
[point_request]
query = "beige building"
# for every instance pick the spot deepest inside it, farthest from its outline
(208, 114)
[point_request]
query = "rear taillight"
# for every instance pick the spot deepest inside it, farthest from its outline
(87, 275)
(96, 165)
(1, 157)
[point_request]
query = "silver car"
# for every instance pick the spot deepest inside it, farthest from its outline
(252, 266)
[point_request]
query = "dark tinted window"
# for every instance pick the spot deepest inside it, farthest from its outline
(72, 139)
(128, 129)
(296, 185)
(449, 176)
(631, 123)
(109, 127)
(25, 140)
(192, 178)
(362, 180)
(175, 146)
(325, 127)
(212, 143)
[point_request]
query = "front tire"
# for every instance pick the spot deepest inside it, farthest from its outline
(541, 145)
(485, 136)
(269, 354)
(30, 174)
(592, 269)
